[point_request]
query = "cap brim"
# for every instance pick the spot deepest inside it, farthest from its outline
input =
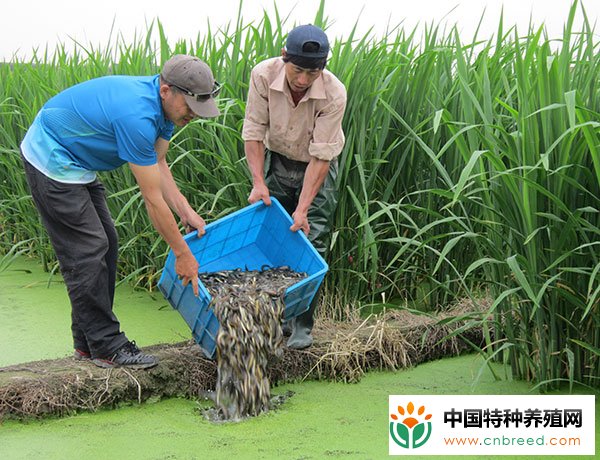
(206, 109)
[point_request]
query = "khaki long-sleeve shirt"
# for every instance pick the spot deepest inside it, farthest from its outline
(313, 128)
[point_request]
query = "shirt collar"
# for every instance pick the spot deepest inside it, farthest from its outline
(316, 90)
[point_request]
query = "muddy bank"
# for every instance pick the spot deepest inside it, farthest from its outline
(342, 351)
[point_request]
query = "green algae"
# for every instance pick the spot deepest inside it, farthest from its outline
(36, 315)
(322, 420)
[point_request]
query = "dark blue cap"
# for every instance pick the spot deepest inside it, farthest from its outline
(301, 35)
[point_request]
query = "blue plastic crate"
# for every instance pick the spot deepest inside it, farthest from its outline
(248, 239)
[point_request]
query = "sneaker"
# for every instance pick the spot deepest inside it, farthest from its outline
(81, 355)
(129, 355)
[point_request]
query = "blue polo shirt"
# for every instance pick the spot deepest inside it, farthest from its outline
(97, 125)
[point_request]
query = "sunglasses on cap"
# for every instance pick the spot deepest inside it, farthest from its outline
(201, 97)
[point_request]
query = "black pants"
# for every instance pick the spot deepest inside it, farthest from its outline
(84, 238)
(284, 178)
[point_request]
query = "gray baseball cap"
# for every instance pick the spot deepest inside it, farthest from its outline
(195, 80)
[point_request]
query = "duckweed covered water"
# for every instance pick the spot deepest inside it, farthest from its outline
(321, 420)
(36, 318)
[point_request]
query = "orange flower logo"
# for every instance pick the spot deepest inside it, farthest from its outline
(409, 429)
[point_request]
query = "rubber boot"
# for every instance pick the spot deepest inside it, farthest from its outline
(286, 328)
(302, 325)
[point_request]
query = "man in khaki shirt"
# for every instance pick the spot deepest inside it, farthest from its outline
(293, 136)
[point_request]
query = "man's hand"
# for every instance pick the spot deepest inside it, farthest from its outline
(314, 176)
(260, 192)
(300, 222)
(193, 222)
(255, 155)
(186, 267)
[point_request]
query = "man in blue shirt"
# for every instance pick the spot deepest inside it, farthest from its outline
(100, 125)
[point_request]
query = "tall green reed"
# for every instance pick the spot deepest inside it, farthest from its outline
(470, 170)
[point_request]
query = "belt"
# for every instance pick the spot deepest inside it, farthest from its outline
(288, 163)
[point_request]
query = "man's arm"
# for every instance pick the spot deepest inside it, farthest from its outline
(149, 181)
(315, 175)
(255, 155)
(174, 198)
(256, 122)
